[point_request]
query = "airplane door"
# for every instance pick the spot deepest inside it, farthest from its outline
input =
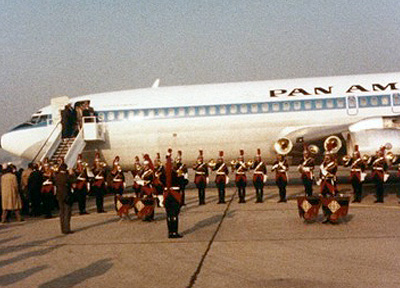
(352, 105)
(395, 101)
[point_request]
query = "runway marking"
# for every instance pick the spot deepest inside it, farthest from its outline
(193, 278)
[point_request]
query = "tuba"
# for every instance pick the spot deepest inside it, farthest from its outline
(333, 144)
(283, 146)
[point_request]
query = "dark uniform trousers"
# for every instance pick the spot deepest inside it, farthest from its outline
(81, 197)
(258, 182)
(307, 182)
(47, 200)
(99, 192)
(172, 207)
(378, 180)
(357, 187)
(201, 184)
(281, 182)
(220, 183)
(241, 183)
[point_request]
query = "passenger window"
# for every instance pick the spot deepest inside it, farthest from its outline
(181, 112)
(254, 108)
(340, 103)
(101, 116)
(121, 115)
(374, 101)
(385, 100)
(202, 111)
(363, 102)
(233, 109)
(213, 110)
(318, 104)
(265, 107)
(151, 113)
(286, 106)
(243, 108)
(308, 105)
(275, 107)
(297, 105)
(140, 113)
(329, 103)
(110, 116)
(192, 111)
(222, 109)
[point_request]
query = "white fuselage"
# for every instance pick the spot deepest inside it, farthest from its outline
(216, 117)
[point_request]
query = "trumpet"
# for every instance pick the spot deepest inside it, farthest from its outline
(366, 158)
(391, 157)
(234, 162)
(249, 163)
(211, 163)
(313, 149)
(346, 158)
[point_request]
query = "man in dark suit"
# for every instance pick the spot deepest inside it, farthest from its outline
(63, 182)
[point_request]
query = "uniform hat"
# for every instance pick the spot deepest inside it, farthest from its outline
(169, 153)
(200, 155)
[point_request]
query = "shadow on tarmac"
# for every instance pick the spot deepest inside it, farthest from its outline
(79, 276)
(207, 222)
(12, 278)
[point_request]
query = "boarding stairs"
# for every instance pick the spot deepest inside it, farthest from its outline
(56, 148)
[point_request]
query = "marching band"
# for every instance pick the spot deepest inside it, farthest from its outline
(151, 180)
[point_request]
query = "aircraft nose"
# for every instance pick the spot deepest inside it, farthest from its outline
(9, 142)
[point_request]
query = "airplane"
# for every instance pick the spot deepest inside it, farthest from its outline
(277, 116)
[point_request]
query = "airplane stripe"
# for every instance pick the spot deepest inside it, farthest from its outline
(279, 106)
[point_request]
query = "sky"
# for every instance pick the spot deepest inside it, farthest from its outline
(51, 48)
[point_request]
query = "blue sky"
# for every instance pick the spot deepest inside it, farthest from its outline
(54, 48)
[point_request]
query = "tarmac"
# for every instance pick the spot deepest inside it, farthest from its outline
(228, 245)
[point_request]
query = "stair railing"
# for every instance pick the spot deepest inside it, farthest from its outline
(52, 142)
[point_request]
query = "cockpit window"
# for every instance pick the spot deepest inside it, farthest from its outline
(36, 120)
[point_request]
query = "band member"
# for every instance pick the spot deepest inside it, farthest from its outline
(328, 170)
(159, 175)
(172, 198)
(259, 176)
(221, 178)
(147, 189)
(182, 172)
(201, 177)
(306, 169)
(98, 186)
(81, 184)
(118, 180)
(47, 191)
(356, 173)
(136, 173)
(240, 169)
(379, 174)
(281, 178)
